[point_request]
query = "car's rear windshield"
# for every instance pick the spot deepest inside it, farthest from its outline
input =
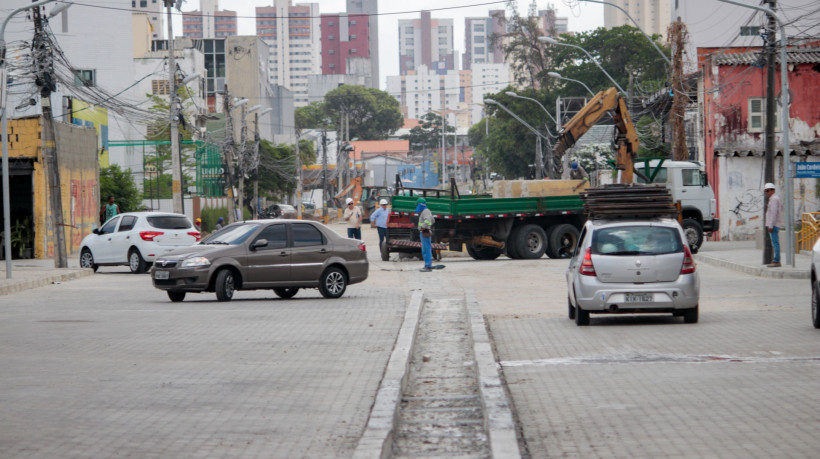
(636, 240)
(169, 222)
(231, 234)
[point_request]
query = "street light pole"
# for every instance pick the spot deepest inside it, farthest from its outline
(4, 133)
(257, 141)
(560, 77)
(784, 126)
(553, 41)
(538, 154)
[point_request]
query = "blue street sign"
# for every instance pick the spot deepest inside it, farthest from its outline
(807, 170)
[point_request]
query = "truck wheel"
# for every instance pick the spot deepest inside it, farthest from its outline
(483, 252)
(694, 234)
(530, 242)
(511, 249)
(385, 252)
(563, 239)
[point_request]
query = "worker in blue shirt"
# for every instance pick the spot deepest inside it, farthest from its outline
(378, 219)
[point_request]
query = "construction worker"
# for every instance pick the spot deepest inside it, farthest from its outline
(426, 222)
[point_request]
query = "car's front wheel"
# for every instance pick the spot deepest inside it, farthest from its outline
(225, 285)
(286, 292)
(176, 297)
(87, 260)
(135, 262)
(815, 304)
(333, 283)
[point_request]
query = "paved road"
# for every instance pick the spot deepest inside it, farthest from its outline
(106, 366)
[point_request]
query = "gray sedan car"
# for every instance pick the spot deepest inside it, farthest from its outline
(632, 266)
(283, 255)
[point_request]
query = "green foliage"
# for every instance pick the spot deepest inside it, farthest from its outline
(22, 236)
(161, 187)
(120, 184)
(650, 134)
(373, 114)
(277, 167)
(510, 147)
(312, 116)
(210, 215)
(427, 135)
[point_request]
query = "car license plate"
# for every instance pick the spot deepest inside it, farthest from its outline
(160, 275)
(638, 297)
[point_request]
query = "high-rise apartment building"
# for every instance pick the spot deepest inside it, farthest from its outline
(479, 46)
(292, 33)
(209, 21)
(154, 9)
(652, 16)
(345, 37)
(424, 90)
(426, 41)
(371, 9)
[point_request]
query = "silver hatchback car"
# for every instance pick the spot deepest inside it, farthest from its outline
(632, 266)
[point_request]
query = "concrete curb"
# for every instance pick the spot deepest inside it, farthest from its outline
(377, 439)
(497, 409)
(8, 287)
(760, 271)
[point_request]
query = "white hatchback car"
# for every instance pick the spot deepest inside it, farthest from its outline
(632, 266)
(135, 239)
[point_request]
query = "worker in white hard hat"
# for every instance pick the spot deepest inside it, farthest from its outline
(773, 222)
(378, 219)
(353, 217)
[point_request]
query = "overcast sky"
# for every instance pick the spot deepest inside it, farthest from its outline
(582, 17)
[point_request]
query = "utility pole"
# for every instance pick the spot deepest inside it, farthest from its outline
(298, 176)
(768, 168)
(176, 162)
(44, 79)
(677, 38)
(229, 152)
(324, 176)
(243, 164)
(256, 141)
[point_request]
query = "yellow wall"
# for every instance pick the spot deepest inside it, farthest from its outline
(88, 115)
(79, 180)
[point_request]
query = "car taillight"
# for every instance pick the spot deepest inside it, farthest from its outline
(150, 235)
(586, 267)
(688, 266)
(362, 247)
(195, 234)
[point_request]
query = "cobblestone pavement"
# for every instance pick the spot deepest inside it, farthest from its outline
(106, 366)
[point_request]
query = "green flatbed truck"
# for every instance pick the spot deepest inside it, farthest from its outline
(523, 228)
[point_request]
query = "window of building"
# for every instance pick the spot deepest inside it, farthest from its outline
(478, 27)
(353, 37)
(331, 23)
(333, 66)
(442, 30)
(352, 51)
(331, 37)
(756, 120)
(160, 87)
(143, 3)
(478, 39)
(85, 78)
(332, 51)
(479, 50)
(442, 40)
(749, 31)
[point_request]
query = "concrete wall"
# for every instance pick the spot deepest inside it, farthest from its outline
(741, 198)
(79, 180)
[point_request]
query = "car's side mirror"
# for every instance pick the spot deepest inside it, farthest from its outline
(96, 231)
(259, 243)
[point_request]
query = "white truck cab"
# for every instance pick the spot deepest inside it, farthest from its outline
(688, 184)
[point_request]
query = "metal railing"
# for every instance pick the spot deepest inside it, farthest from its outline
(809, 231)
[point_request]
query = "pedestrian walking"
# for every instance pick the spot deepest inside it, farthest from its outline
(774, 222)
(378, 219)
(109, 210)
(220, 223)
(353, 217)
(426, 222)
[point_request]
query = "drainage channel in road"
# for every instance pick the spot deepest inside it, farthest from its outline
(441, 412)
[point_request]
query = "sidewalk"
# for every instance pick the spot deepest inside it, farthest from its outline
(744, 257)
(33, 273)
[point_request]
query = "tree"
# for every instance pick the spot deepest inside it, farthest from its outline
(277, 167)
(373, 114)
(427, 135)
(120, 184)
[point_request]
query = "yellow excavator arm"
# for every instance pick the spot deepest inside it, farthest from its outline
(626, 140)
(355, 190)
